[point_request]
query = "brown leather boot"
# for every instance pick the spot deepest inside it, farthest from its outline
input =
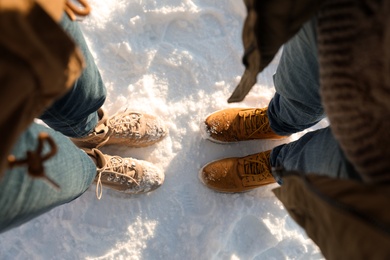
(238, 174)
(238, 124)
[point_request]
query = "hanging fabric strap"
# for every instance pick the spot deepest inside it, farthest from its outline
(73, 10)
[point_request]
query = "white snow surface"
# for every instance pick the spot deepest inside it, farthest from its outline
(179, 60)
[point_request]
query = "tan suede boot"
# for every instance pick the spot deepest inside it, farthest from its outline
(127, 128)
(126, 175)
(238, 174)
(237, 124)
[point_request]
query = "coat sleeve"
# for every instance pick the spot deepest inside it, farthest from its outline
(268, 25)
(346, 219)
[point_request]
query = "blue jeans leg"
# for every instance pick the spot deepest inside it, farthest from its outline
(316, 152)
(74, 114)
(297, 106)
(23, 198)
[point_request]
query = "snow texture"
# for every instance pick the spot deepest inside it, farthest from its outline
(180, 60)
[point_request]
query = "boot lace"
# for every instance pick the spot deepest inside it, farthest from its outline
(126, 125)
(118, 170)
(254, 121)
(256, 169)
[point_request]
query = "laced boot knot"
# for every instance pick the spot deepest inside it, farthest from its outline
(128, 125)
(117, 170)
(256, 169)
(254, 121)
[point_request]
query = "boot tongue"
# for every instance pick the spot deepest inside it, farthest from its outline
(100, 158)
(102, 128)
(241, 167)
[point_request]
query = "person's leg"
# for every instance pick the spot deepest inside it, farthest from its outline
(316, 152)
(23, 197)
(297, 106)
(74, 114)
(297, 103)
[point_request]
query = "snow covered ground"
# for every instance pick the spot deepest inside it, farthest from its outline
(179, 59)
